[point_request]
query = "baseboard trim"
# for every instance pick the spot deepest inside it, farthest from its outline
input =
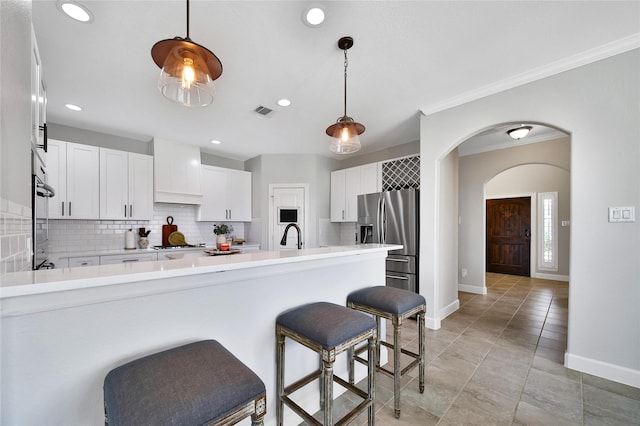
(472, 288)
(605, 370)
(553, 277)
(433, 323)
(451, 308)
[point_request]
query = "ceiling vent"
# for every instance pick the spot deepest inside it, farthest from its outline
(263, 110)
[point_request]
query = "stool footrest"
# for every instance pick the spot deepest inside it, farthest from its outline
(300, 411)
(302, 382)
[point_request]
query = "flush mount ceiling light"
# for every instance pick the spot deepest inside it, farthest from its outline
(346, 132)
(519, 132)
(73, 107)
(313, 16)
(188, 70)
(75, 10)
(284, 102)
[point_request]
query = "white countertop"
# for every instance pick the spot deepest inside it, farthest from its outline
(53, 280)
(121, 251)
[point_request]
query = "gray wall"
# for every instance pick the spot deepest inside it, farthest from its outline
(598, 105)
(404, 150)
(478, 170)
(15, 103)
(303, 169)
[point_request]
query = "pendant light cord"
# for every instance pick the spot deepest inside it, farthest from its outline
(346, 63)
(188, 20)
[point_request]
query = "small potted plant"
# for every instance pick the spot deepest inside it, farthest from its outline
(222, 231)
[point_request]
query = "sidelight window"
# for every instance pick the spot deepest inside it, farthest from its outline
(548, 226)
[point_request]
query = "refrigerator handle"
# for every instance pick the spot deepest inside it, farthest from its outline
(383, 220)
(378, 220)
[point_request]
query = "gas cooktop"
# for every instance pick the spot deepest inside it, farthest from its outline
(174, 247)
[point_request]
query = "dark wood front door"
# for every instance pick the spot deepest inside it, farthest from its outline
(509, 235)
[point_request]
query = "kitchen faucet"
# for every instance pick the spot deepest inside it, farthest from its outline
(283, 241)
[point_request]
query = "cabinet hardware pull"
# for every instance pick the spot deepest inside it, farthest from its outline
(130, 260)
(130, 210)
(398, 260)
(397, 277)
(69, 208)
(63, 208)
(125, 210)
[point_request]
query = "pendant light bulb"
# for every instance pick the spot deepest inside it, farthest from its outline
(188, 75)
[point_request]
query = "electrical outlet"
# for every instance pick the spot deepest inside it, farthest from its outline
(463, 272)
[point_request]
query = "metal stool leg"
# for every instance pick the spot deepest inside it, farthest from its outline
(280, 377)
(421, 342)
(397, 350)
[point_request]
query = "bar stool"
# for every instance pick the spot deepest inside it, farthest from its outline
(329, 330)
(195, 384)
(396, 305)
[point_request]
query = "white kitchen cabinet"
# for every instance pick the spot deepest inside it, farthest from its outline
(127, 258)
(346, 185)
(75, 262)
(176, 173)
(226, 195)
(126, 185)
(73, 171)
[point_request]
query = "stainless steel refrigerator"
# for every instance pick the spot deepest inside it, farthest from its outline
(392, 218)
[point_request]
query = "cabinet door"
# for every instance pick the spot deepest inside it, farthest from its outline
(176, 173)
(83, 185)
(352, 190)
(114, 203)
(83, 261)
(240, 196)
(369, 178)
(214, 194)
(57, 178)
(140, 187)
(337, 195)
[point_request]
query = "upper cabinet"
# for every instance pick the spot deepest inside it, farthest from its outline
(38, 102)
(126, 185)
(226, 195)
(73, 171)
(346, 185)
(176, 173)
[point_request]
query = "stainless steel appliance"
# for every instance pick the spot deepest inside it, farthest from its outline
(40, 194)
(392, 218)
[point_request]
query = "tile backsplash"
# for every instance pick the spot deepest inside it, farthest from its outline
(15, 237)
(78, 235)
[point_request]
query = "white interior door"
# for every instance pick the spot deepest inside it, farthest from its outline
(288, 204)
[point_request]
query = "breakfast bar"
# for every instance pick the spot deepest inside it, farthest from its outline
(64, 329)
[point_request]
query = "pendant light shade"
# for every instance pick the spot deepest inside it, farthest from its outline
(188, 70)
(346, 131)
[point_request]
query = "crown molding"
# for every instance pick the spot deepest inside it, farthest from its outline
(588, 56)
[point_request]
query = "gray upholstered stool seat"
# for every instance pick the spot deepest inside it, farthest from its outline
(195, 384)
(396, 305)
(329, 330)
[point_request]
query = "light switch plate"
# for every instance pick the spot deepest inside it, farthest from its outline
(622, 214)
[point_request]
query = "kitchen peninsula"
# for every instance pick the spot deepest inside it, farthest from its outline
(64, 329)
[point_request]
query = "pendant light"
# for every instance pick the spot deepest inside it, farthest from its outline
(345, 132)
(188, 70)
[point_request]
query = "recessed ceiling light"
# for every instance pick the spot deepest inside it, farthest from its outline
(284, 102)
(73, 107)
(75, 10)
(215, 142)
(313, 16)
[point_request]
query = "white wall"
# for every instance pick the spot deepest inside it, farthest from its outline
(15, 136)
(478, 170)
(598, 105)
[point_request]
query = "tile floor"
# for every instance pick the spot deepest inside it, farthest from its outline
(498, 360)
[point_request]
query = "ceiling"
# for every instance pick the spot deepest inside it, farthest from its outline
(408, 56)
